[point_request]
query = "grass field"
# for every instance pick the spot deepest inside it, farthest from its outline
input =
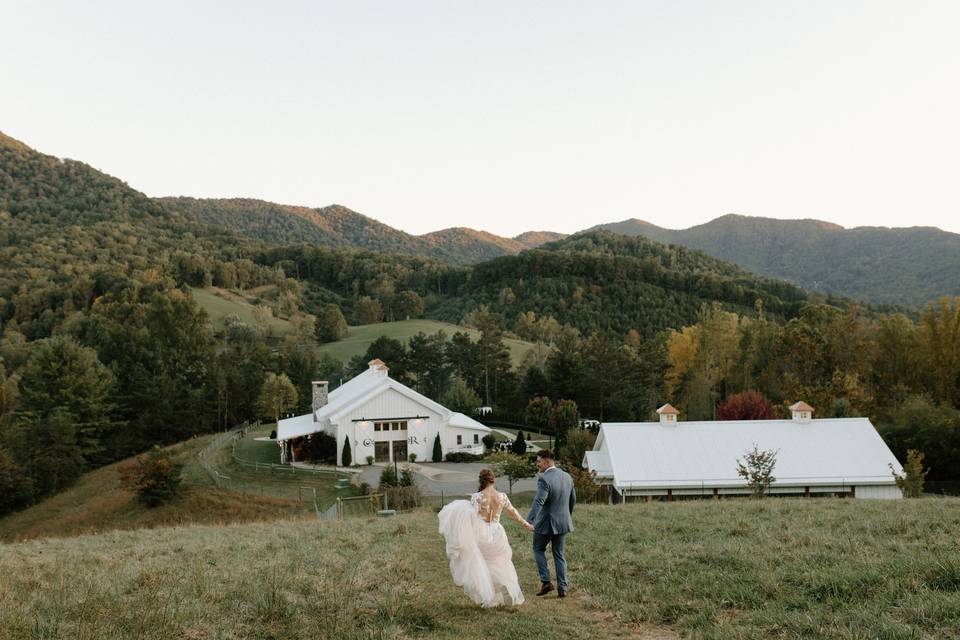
(287, 483)
(781, 568)
(219, 304)
(359, 338)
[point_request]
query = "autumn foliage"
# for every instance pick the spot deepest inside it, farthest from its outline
(749, 405)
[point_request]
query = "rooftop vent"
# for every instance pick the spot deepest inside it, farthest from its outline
(668, 414)
(378, 365)
(801, 411)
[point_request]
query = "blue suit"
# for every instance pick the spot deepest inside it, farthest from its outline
(551, 518)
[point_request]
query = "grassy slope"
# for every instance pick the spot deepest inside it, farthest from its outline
(359, 338)
(219, 304)
(97, 502)
(785, 568)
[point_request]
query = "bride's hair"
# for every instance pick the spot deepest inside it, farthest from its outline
(486, 478)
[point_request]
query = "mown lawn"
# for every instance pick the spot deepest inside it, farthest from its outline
(822, 568)
(359, 338)
(287, 483)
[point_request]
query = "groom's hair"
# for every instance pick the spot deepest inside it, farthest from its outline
(546, 454)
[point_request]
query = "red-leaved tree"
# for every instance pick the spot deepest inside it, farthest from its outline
(749, 405)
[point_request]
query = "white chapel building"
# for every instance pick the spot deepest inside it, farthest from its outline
(699, 458)
(381, 418)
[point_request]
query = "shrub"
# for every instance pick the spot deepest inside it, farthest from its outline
(155, 477)
(388, 477)
(437, 449)
(757, 469)
(911, 482)
(489, 440)
(584, 483)
(406, 477)
(462, 456)
(520, 445)
(273, 434)
(402, 497)
(318, 447)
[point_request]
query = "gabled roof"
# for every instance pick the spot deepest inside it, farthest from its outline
(466, 422)
(297, 426)
(695, 454)
(801, 406)
(361, 389)
(667, 408)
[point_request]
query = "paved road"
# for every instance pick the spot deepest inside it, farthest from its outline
(448, 478)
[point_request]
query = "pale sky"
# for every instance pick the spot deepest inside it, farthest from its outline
(504, 116)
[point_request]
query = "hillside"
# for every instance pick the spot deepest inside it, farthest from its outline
(221, 304)
(533, 239)
(786, 568)
(908, 266)
(338, 226)
(98, 503)
(360, 337)
(614, 283)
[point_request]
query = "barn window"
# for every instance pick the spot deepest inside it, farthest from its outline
(459, 439)
(476, 438)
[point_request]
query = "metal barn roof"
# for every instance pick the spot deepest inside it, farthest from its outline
(705, 454)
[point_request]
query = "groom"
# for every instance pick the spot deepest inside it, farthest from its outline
(550, 516)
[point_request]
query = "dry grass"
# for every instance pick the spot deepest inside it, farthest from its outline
(733, 570)
(98, 503)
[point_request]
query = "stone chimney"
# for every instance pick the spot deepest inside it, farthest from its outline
(668, 415)
(319, 396)
(379, 366)
(802, 412)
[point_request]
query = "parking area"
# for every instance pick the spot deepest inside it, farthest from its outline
(447, 478)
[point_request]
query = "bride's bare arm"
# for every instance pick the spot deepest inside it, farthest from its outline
(513, 513)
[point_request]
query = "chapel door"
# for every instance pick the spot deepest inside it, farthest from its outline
(400, 450)
(381, 451)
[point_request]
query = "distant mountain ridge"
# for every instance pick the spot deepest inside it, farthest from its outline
(881, 265)
(338, 226)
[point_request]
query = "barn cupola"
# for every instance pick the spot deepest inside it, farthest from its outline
(801, 411)
(379, 366)
(668, 414)
(319, 396)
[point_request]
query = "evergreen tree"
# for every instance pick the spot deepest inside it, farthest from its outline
(520, 445)
(60, 374)
(437, 449)
(346, 458)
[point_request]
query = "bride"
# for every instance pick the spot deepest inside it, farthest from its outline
(481, 559)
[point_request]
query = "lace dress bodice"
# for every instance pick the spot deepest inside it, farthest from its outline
(489, 509)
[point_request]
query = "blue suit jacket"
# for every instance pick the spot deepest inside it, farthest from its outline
(553, 505)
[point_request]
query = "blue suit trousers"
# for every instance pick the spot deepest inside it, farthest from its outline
(555, 540)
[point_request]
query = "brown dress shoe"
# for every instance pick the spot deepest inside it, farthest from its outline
(545, 588)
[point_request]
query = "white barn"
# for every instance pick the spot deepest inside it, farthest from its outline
(673, 458)
(382, 418)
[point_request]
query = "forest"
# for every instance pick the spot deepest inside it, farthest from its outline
(104, 352)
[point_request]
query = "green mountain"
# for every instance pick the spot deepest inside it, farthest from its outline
(877, 264)
(604, 281)
(338, 226)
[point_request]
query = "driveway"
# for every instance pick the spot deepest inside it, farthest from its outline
(447, 478)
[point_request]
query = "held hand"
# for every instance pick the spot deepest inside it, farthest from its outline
(528, 526)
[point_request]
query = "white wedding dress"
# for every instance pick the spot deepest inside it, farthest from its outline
(481, 559)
